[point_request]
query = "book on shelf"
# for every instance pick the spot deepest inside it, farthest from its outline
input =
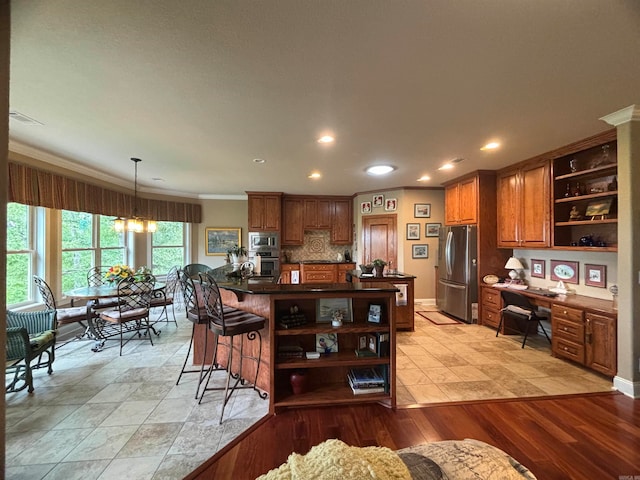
(359, 385)
(362, 391)
(368, 376)
(290, 351)
(365, 353)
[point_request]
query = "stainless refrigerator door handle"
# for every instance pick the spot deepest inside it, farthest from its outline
(448, 253)
(450, 285)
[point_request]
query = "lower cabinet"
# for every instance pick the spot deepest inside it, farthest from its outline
(357, 345)
(318, 273)
(585, 337)
(490, 307)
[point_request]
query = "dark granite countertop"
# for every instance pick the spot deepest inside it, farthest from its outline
(385, 275)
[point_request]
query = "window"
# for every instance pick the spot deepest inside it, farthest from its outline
(21, 253)
(168, 246)
(88, 240)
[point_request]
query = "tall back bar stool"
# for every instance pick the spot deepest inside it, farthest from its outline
(230, 323)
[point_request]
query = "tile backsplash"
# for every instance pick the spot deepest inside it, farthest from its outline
(317, 246)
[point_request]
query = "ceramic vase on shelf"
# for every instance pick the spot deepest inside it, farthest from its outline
(378, 270)
(298, 379)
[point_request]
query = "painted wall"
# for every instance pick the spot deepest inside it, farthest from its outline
(422, 268)
(219, 214)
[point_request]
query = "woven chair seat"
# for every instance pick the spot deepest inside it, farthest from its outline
(117, 316)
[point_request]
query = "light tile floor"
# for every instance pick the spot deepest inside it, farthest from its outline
(102, 416)
(461, 362)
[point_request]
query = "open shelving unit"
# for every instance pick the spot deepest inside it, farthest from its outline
(326, 377)
(584, 181)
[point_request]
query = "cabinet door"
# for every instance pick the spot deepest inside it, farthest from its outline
(256, 212)
(451, 204)
(508, 209)
(341, 223)
(535, 200)
(343, 268)
(272, 212)
(310, 212)
(292, 231)
(601, 348)
(467, 201)
(323, 213)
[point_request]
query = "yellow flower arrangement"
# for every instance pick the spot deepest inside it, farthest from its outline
(118, 272)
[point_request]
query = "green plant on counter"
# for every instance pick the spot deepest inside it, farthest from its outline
(237, 251)
(378, 262)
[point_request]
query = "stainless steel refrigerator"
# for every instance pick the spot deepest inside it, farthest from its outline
(457, 271)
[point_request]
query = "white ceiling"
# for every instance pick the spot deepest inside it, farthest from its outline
(199, 88)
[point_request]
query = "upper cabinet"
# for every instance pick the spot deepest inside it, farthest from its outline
(523, 206)
(264, 211)
(317, 213)
(342, 221)
(585, 195)
(302, 213)
(461, 204)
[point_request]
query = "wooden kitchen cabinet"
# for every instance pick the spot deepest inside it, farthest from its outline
(343, 268)
(317, 213)
(318, 273)
(601, 344)
(342, 221)
(461, 204)
(490, 306)
(567, 327)
(264, 211)
(292, 215)
(523, 206)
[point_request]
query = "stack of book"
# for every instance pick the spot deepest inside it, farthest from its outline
(366, 380)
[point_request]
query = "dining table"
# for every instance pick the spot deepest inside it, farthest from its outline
(97, 328)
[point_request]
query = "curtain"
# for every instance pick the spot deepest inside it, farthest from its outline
(31, 186)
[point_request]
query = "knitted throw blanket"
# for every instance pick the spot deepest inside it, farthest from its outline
(335, 460)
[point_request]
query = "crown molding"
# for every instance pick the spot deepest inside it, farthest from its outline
(213, 196)
(625, 115)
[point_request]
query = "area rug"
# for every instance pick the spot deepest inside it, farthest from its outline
(438, 318)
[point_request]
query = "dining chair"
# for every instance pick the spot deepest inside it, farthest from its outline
(518, 307)
(96, 278)
(30, 335)
(230, 323)
(132, 312)
(168, 296)
(64, 316)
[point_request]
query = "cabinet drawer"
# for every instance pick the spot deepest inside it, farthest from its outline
(318, 277)
(568, 313)
(569, 330)
(490, 317)
(491, 297)
(318, 267)
(568, 349)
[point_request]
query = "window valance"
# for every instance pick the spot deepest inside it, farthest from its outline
(31, 186)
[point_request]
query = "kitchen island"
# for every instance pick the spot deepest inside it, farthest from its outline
(404, 297)
(298, 316)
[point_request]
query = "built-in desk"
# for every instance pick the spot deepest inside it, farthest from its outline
(583, 329)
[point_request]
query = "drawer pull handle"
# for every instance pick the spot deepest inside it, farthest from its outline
(566, 329)
(565, 312)
(565, 349)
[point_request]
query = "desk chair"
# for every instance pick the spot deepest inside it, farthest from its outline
(518, 307)
(30, 335)
(132, 311)
(230, 322)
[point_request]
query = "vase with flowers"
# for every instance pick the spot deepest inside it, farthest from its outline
(118, 272)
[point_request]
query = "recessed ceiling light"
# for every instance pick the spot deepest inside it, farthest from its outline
(424, 178)
(259, 160)
(380, 169)
(326, 139)
(446, 166)
(315, 175)
(490, 146)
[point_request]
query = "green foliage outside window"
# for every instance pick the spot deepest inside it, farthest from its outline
(18, 260)
(167, 247)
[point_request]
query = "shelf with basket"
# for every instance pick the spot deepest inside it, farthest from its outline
(585, 195)
(355, 344)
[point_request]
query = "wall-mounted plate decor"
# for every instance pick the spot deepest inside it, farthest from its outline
(565, 271)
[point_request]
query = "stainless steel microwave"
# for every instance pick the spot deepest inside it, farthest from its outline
(260, 240)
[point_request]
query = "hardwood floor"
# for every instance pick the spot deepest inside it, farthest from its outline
(595, 436)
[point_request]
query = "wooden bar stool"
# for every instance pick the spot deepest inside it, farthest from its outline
(230, 322)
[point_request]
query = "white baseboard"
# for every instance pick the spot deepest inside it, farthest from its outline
(425, 301)
(629, 388)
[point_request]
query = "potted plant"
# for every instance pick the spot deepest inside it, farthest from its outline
(236, 254)
(378, 266)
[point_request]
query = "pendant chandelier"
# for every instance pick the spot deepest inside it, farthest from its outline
(135, 224)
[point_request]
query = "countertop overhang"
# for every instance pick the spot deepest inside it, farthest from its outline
(363, 277)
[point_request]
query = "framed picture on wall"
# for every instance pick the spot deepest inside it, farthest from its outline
(537, 268)
(422, 210)
(419, 251)
(413, 231)
(595, 275)
(219, 240)
(378, 200)
(391, 204)
(432, 229)
(565, 271)
(365, 207)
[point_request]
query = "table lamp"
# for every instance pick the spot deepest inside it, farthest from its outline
(514, 264)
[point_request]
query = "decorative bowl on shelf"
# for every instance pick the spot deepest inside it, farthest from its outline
(366, 269)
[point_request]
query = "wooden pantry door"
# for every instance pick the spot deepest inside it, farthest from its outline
(380, 238)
